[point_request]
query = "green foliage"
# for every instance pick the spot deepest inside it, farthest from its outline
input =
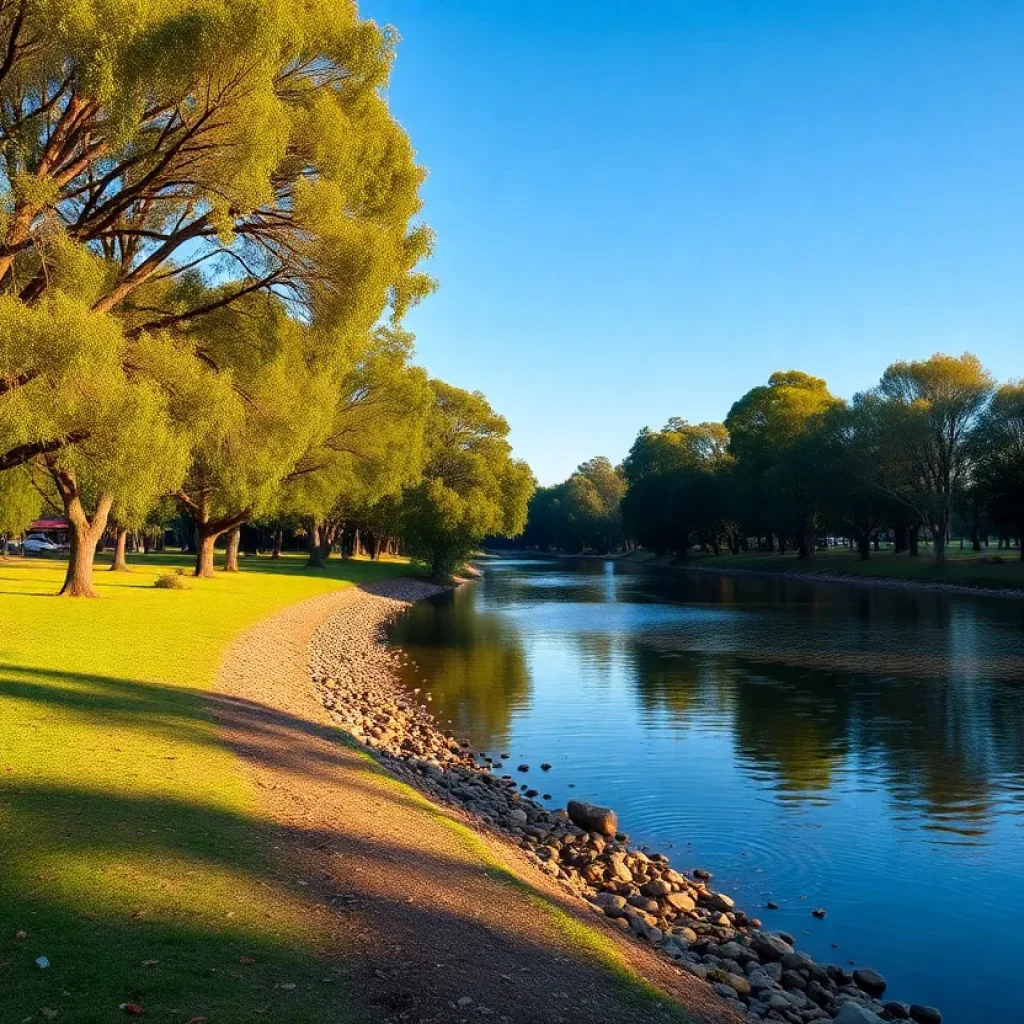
(472, 487)
(581, 514)
(20, 503)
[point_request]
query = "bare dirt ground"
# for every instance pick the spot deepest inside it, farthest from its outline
(416, 911)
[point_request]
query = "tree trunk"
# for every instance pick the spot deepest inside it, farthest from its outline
(322, 540)
(278, 540)
(939, 542)
(204, 554)
(231, 559)
(913, 538)
(120, 563)
(864, 546)
(899, 538)
(877, 548)
(83, 533)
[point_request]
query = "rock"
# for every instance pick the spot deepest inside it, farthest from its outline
(925, 1014)
(725, 991)
(608, 900)
(617, 863)
(688, 935)
(797, 962)
(524, 768)
(851, 1013)
(737, 982)
(680, 901)
(518, 816)
(704, 876)
(770, 947)
(545, 767)
(592, 818)
(897, 1010)
(759, 980)
(771, 905)
(819, 913)
(719, 901)
(870, 981)
(656, 887)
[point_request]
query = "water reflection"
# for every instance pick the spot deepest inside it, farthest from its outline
(851, 743)
(478, 660)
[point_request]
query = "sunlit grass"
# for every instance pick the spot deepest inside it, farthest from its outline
(127, 832)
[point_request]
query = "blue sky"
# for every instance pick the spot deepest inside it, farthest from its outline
(643, 209)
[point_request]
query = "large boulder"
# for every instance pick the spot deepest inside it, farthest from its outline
(592, 818)
(770, 947)
(870, 981)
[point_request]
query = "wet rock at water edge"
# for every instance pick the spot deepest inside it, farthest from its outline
(592, 818)
(770, 947)
(897, 1010)
(870, 981)
(925, 1014)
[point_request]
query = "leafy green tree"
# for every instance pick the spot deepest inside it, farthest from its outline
(769, 435)
(934, 405)
(373, 447)
(472, 487)
(20, 503)
(678, 445)
(998, 455)
(266, 405)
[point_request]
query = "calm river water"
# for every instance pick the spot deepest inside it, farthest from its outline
(811, 744)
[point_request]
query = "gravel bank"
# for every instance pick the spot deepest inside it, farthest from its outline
(757, 973)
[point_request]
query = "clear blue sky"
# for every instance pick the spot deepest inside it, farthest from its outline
(643, 209)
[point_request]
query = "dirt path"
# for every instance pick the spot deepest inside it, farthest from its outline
(419, 912)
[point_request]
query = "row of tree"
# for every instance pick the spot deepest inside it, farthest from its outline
(936, 447)
(209, 239)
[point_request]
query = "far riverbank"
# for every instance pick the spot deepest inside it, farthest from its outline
(997, 574)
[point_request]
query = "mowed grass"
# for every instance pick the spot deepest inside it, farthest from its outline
(131, 851)
(963, 567)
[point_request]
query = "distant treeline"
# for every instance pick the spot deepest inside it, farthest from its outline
(934, 450)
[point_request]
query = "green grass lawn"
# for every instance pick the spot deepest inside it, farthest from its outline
(127, 833)
(963, 567)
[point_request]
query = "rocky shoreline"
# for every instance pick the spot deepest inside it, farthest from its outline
(761, 974)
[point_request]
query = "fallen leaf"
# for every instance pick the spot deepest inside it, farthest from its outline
(198, 1020)
(20, 935)
(150, 963)
(287, 986)
(246, 960)
(42, 962)
(132, 1009)
(46, 1013)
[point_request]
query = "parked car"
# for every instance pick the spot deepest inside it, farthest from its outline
(37, 544)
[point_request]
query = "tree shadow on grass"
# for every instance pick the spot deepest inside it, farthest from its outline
(104, 882)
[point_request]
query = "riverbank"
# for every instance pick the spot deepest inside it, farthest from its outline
(981, 576)
(430, 917)
(677, 914)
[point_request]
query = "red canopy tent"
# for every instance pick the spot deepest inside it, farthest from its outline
(41, 525)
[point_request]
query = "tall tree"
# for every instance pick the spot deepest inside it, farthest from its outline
(472, 487)
(769, 437)
(935, 404)
(998, 450)
(247, 140)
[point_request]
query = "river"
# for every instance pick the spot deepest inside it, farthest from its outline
(814, 745)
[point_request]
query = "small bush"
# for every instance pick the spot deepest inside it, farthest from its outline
(171, 581)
